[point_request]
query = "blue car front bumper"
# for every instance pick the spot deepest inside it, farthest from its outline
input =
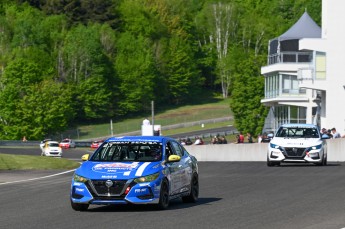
(124, 192)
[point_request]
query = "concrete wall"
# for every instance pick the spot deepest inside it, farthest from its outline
(336, 149)
(254, 151)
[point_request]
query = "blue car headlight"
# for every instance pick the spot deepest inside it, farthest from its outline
(148, 178)
(78, 178)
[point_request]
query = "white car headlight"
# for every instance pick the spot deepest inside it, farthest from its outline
(314, 147)
(274, 146)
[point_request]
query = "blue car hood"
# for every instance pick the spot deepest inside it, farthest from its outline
(117, 170)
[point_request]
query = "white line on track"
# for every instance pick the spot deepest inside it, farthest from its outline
(38, 178)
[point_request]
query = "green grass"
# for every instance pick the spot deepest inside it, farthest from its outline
(196, 128)
(217, 108)
(24, 162)
(207, 139)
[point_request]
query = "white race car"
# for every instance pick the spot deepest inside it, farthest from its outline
(51, 149)
(297, 143)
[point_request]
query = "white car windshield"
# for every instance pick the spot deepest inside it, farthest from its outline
(53, 144)
(298, 132)
(125, 151)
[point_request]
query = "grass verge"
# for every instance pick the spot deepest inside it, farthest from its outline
(24, 162)
(217, 108)
(208, 126)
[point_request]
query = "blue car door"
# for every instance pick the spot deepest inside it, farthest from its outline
(180, 172)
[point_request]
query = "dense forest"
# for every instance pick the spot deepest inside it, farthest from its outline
(67, 62)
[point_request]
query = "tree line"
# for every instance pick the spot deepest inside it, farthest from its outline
(82, 61)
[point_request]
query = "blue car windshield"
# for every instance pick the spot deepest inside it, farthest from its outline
(127, 151)
(297, 132)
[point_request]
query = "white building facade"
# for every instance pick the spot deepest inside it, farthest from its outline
(305, 75)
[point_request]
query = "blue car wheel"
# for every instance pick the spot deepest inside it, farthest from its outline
(164, 196)
(194, 192)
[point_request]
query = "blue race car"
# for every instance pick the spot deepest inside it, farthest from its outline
(135, 170)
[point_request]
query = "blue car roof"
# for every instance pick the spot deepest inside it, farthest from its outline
(139, 138)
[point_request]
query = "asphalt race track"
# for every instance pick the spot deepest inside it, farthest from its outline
(232, 195)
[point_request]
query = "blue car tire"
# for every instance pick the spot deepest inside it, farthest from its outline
(194, 192)
(164, 196)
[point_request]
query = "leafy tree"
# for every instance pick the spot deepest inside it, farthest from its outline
(21, 73)
(176, 50)
(81, 11)
(87, 66)
(27, 35)
(26, 26)
(94, 99)
(207, 64)
(19, 86)
(108, 40)
(135, 67)
(247, 92)
(44, 111)
(8, 105)
(82, 51)
(217, 25)
(139, 21)
(181, 73)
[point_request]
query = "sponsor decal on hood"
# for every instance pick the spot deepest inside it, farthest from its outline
(118, 170)
(300, 142)
(114, 167)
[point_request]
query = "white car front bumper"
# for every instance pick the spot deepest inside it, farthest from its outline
(276, 155)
